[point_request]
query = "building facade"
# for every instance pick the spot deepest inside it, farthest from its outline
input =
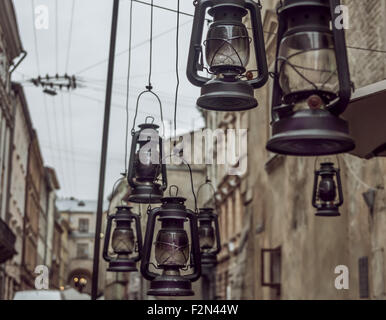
(78, 217)
(273, 245)
(10, 49)
(35, 178)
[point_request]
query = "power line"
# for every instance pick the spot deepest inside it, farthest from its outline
(122, 107)
(187, 105)
(47, 120)
(67, 166)
(72, 142)
(127, 50)
(168, 9)
(35, 36)
(61, 167)
(70, 36)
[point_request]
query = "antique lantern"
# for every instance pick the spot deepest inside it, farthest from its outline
(172, 249)
(209, 235)
(209, 231)
(227, 51)
(146, 167)
(312, 84)
(124, 241)
(324, 197)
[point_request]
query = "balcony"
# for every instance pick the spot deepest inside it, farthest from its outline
(7, 242)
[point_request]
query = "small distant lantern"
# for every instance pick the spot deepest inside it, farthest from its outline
(209, 231)
(171, 249)
(209, 234)
(325, 197)
(312, 84)
(227, 51)
(146, 165)
(124, 241)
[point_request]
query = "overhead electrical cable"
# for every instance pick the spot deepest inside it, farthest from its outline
(35, 37)
(70, 36)
(133, 47)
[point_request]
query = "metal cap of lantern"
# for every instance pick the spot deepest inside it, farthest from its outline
(209, 232)
(312, 84)
(124, 242)
(146, 165)
(324, 196)
(171, 249)
(227, 51)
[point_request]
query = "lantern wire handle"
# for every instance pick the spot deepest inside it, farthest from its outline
(190, 173)
(207, 182)
(115, 185)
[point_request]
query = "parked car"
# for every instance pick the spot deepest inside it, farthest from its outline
(39, 295)
(68, 294)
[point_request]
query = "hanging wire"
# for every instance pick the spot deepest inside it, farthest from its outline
(151, 45)
(177, 73)
(149, 87)
(128, 84)
(190, 173)
(56, 35)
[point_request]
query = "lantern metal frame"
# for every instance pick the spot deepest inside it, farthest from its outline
(329, 208)
(229, 93)
(174, 284)
(124, 217)
(148, 192)
(310, 132)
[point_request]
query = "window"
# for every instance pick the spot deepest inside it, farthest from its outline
(363, 278)
(82, 250)
(83, 225)
(271, 270)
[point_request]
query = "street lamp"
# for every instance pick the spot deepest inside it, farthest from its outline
(171, 249)
(123, 241)
(146, 165)
(209, 234)
(312, 81)
(324, 196)
(227, 51)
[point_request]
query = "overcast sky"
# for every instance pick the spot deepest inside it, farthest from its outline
(69, 126)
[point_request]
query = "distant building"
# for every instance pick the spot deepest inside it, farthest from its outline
(35, 178)
(10, 49)
(80, 216)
